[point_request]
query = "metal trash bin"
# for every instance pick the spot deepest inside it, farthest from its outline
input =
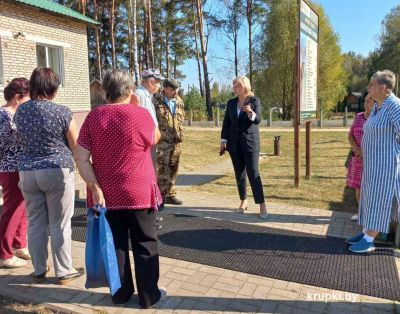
(277, 146)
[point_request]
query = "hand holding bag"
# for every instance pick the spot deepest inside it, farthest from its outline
(100, 257)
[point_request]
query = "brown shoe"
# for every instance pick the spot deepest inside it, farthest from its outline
(76, 273)
(42, 276)
(173, 200)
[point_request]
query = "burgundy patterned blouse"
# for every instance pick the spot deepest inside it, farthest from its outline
(119, 137)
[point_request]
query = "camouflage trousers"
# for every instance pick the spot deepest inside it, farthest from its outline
(168, 155)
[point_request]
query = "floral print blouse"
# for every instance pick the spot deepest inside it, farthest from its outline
(10, 142)
(43, 126)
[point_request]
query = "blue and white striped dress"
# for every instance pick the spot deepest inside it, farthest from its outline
(380, 184)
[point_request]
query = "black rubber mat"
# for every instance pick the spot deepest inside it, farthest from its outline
(280, 254)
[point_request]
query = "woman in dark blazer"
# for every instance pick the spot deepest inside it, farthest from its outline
(241, 138)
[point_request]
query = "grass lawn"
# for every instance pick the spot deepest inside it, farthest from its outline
(326, 188)
(200, 148)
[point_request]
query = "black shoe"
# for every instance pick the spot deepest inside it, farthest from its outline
(42, 276)
(117, 301)
(76, 273)
(163, 296)
(121, 297)
(173, 200)
(161, 207)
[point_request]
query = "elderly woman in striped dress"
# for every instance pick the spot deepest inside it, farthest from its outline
(380, 185)
(355, 137)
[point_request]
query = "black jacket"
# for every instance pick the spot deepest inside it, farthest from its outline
(241, 130)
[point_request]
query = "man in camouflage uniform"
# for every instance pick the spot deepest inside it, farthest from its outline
(170, 116)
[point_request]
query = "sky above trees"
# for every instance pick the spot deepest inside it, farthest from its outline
(357, 22)
(357, 37)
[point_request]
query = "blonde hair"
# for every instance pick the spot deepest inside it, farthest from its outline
(246, 84)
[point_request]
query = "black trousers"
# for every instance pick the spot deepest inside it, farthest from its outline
(248, 162)
(138, 225)
(154, 157)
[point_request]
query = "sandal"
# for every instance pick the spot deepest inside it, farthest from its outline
(241, 210)
(263, 216)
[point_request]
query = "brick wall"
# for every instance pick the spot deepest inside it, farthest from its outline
(19, 54)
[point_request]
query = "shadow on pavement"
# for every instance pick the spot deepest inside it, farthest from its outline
(329, 302)
(219, 213)
(349, 201)
(196, 179)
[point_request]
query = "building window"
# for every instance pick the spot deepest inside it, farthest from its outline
(51, 57)
(1, 66)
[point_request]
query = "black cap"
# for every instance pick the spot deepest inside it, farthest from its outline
(169, 82)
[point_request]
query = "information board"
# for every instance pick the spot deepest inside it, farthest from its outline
(308, 61)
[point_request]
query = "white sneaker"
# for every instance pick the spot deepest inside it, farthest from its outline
(354, 217)
(22, 253)
(13, 262)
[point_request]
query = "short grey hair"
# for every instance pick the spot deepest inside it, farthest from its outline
(385, 77)
(117, 84)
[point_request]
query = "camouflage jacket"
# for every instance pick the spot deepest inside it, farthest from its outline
(171, 126)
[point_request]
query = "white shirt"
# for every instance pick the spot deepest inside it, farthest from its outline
(145, 101)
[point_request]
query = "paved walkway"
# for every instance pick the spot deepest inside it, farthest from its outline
(196, 288)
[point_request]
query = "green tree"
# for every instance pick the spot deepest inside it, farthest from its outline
(193, 99)
(332, 77)
(275, 62)
(214, 92)
(195, 103)
(255, 9)
(231, 26)
(203, 50)
(356, 67)
(387, 56)
(111, 45)
(274, 59)
(390, 40)
(221, 94)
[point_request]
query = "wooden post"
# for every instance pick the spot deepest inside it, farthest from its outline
(270, 117)
(397, 237)
(308, 150)
(296, 122)
(296, 154)
(217, 115)
(320, 116)
(191, 117)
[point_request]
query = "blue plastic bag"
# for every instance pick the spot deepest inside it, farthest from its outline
(100, 257)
